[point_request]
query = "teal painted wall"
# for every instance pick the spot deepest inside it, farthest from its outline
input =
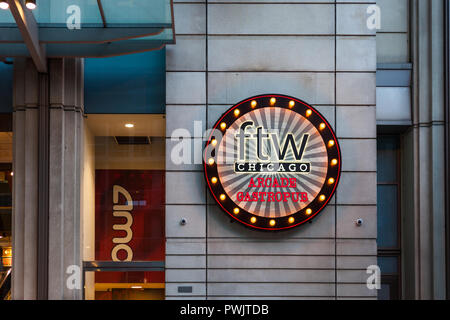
(127, 84)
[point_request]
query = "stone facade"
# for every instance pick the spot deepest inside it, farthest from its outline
(318, 51)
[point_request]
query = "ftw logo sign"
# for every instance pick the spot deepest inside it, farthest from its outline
(273, 160)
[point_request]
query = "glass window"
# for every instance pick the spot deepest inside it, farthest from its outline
(137, 285)
(124, 196)
(388, 265)
(387, 154)
(387, 202)
(6, 87)
(388, 216)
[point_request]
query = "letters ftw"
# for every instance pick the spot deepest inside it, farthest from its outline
(261, 135)
(271, 161)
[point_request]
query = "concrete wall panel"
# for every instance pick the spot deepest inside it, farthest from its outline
(296, 55)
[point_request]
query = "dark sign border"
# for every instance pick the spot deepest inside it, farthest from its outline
(315, 206)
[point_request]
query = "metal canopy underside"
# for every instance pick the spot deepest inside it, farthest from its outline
(85, 28)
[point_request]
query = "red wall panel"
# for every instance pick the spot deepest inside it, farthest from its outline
(147, 190)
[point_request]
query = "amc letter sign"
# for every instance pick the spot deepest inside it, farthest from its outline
(272, 162)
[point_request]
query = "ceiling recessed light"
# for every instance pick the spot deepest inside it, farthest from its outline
(31, 4)
(129, 125)
(4, 5)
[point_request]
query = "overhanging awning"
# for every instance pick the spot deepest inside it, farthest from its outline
(85, 28)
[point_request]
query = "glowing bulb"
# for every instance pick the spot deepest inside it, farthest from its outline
(322, 197)
(308, 211)
(254, 104)
(214, 180)
(291, 104)
(272, 223)
(291, 220)
(211, 161)
(4, 5)
(308, 112)
(253, 220)
(129, 125)
(331, 143)
(236, 210)
(214, 142)
(31, 4)
(334, 162)
(322, 126)
(223, 125)
(223, 197)
(12, 173)
(331, 181)
(273, 101)
(237, 112)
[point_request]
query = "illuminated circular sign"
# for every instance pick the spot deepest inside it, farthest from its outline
(272, 162)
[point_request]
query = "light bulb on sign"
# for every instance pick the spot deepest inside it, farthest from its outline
(291, 104)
